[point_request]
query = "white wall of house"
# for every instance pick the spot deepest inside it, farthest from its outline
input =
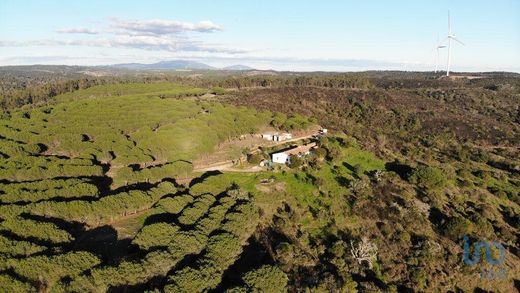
(280, 158)
(282, 137)
(267, 136)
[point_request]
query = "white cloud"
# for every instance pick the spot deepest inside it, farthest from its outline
(79, 30)
(163, 26)
(154, 34)
(153, 43)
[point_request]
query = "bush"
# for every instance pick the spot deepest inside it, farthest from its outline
(218, 91)
(191, 214)
(359, 170)
(39, 230)
(254, 159)
(10, 284)
(266, 279)
(320, 152)
(333, 153)
(21, 248)
(429, 178)
(176, 204)
(419, 278)
(295, 162)
(155, 235)
(457, 227)
(51, 268)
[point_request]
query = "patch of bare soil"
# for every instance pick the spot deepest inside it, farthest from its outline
(271, 187)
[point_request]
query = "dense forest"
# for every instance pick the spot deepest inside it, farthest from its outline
(99, 192)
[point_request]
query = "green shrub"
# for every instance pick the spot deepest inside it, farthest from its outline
(295, 162)
(155, 235)
(457, 227)
(320, 152)
(33, 229)
(266, 279)
(10, 284)
(51, 268)
(176, 204)
(429, 178)
(194, 212)
(18, 248)
(333, 152)
(359, 170)
(255, 159)
(217, 91)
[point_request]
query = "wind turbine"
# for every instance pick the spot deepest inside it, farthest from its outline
(438, 47)
(451, 36)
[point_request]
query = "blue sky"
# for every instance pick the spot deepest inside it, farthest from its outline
(282, 35)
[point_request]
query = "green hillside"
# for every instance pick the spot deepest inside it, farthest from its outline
(108, 157)
(98, 191)
(138, 137)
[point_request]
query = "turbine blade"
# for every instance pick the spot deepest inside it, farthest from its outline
(455, 39)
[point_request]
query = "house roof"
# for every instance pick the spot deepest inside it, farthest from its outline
(301, 149)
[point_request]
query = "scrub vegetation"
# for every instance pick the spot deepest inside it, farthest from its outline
(98, 192)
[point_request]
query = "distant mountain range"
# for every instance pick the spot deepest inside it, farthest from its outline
(176, 65)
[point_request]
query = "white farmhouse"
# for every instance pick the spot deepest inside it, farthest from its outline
(268, 136)
(276, 136)
(280, 158)
(282, 137)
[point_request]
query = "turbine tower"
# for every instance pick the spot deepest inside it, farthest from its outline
(451, 36)
(438, 47)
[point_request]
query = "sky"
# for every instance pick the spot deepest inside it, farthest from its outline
(282, 35)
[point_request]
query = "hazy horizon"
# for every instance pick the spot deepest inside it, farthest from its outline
(216, 67)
